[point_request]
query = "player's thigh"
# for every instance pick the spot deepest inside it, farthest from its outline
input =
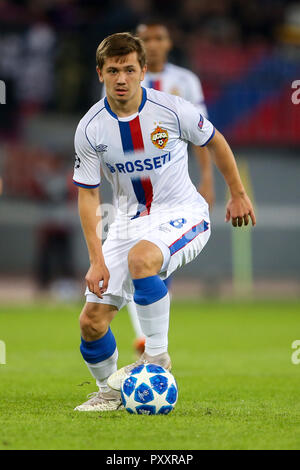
(119, 291)
(181, 238)
(188, 247)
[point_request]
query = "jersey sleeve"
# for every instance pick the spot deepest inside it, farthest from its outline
(194, 127)
(87, 162)
(195, 94)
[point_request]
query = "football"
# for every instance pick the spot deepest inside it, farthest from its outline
(149, 389)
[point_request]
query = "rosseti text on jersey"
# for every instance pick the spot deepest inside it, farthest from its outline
(140, 165)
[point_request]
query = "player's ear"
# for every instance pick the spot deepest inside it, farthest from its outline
(100, 76)
(144, 70)
(170, 45)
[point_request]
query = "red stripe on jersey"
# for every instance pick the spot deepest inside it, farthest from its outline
(146, 185)
(136, 134)
(148, 188)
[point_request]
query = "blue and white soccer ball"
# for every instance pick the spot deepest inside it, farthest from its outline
(149, 389)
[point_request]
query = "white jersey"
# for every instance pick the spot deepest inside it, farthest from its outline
(143, 156)
(178, 81)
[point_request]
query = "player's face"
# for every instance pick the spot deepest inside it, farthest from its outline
(157, 43)
(122, 77)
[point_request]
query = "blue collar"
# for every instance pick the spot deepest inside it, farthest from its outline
(108, 108)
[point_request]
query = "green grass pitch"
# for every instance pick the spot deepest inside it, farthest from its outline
(238, 388)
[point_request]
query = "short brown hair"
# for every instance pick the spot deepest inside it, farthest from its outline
(118, 45)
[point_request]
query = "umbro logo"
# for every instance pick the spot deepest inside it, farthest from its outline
(101, 148)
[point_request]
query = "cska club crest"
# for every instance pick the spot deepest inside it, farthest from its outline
(159, 137)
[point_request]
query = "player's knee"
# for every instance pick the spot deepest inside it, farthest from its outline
(140, 263)
(92, 325)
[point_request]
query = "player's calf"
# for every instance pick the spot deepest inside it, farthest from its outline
(151, 295)
(99, 351)
(152, 305)
(94, 320)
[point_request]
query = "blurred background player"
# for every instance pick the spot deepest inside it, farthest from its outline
(164, 76)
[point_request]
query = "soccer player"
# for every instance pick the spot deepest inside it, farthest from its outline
(164, 76)
(139, 138)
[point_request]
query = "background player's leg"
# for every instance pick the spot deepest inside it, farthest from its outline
(134, 319)
(139, 342)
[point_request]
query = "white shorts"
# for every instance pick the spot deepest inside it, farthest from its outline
(181, 234)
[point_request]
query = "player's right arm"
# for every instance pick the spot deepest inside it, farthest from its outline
(87, 178)
(88, 203)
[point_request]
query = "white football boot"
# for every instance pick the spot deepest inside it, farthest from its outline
(102, 401)
(115, 380)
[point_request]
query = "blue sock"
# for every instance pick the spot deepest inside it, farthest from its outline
(99, 350)
(149, 290)
(153, 308)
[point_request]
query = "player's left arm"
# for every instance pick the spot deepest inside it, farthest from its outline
(195, 95)
(206, 185)
(200, 131)
(239, 207)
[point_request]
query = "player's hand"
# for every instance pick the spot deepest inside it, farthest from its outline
(206, 190)
(238, 210)
(96, 274)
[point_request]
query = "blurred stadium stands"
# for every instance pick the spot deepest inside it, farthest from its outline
(247, 55)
